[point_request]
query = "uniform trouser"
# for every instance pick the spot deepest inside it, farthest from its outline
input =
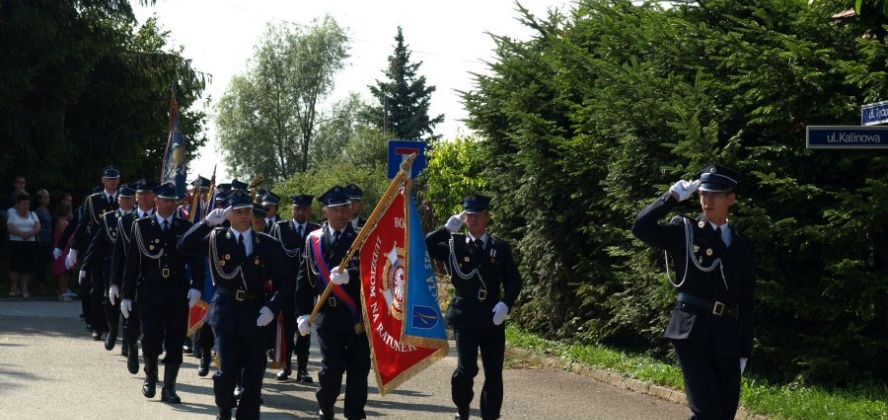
(712, 381)
(244, 356)
(343, 351)
(492, 344)
(289, 333)
(85, 305)
(96, 296)
(303, 342)
(132, 328)
(112, 312)
(204, 339)
(164, 328)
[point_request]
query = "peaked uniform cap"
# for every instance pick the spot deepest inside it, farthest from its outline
(238, 185)
(259, 211)
(201, 183)
(110, 171)
(716, 178)
(476, 203)
(354, 192)
(271, 199)
(239, 199)
(145, 186)
(335, 196)
(126, 191)
(167, 191)
(302, 200)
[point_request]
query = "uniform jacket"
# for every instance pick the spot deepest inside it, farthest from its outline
(293, 247)
(264, 269)
(736, 289)
(270, 226)
(309, 285)
(496, 267)
(93, 207)
(99, 254)
(152, 253)
(121, 246)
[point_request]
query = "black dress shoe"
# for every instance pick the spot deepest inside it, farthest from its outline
(283, 375)
(303, 377)
(223, 415)
(110, 341)
(204, 367)
(168, 395)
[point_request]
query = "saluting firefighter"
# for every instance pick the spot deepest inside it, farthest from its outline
(100, 255)
(292, 235)
(251, 279)
(487, 283)
(155, 271)
(712, 322)
(342, 340)
(131, 325)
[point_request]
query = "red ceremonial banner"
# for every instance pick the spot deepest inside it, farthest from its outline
(196, 316)
(383, 275)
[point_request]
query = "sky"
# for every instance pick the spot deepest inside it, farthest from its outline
(449, 38)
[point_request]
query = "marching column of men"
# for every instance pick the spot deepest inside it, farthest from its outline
(158, 264)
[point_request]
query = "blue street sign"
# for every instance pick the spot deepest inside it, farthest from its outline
(875, 113)
(397, 149)
(846, 137)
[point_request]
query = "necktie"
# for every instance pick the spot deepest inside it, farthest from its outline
(166, 225)
(241, 247)
(299, 229)
(478, 246)
(718, 235)
(110, 200)
(336, 235)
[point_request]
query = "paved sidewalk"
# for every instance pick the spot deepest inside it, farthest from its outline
(50, 368)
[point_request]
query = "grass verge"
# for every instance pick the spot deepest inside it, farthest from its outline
(776, 401)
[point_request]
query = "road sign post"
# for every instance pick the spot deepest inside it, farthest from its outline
(399, 148)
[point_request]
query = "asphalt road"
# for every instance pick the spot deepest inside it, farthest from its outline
(50, 368)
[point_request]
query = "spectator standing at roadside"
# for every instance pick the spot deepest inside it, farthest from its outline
(23, 228)
(44, 239)
(63, 217)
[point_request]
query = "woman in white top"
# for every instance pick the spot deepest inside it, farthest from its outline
(23, 227)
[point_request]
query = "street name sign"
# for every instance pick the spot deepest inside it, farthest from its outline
(874, 114)
(846, 137)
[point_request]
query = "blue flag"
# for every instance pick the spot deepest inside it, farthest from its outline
(173, 169)
(423, 323)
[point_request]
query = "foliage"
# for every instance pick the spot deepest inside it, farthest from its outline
(268, 118)
(453, 170)
(81, 86)
(592, 118)
(404, 98)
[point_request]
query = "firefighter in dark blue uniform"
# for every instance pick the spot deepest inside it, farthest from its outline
(356, 199)
(487, 283)
(251, 279)
(156, 271)
(711, 327)
(341, 337)
(292, 234)
(91, 283)
(131, 325)
(100, 255)
(272, 203)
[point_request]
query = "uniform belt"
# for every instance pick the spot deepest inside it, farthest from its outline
(240, 294)
(163, 272)
(715, 308)
(481, 295)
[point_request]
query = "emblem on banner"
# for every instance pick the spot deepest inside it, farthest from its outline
(393, 284)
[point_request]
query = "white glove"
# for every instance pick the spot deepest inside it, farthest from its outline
(302, 324)
(455, 222)
(217, 216)
(265, 317)
(684, 189)
(56, 253)
(81, 277)
(113, 294)
(126, 306)
(193, 297)
(71, 259)
(743, 361)
(499, 313)
(339, 277)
